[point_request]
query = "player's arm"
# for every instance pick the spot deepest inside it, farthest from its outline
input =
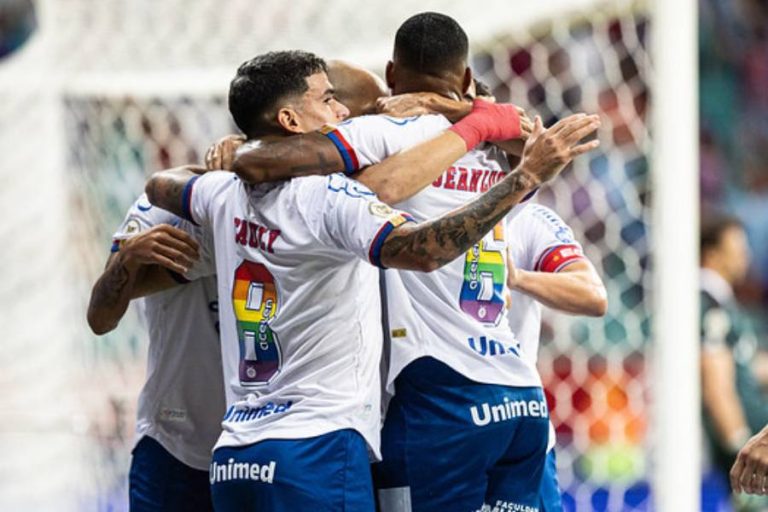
(720, 397)
(170, 189)
(575, 288)
(394, 179)
(429, 245)
(421, 103)
(140, 267)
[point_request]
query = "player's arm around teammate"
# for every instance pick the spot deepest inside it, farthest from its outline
(138, 268)
(428, 245)
(405, 173)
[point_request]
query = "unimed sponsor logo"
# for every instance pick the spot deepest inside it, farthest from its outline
(507, 410)
(242, 471)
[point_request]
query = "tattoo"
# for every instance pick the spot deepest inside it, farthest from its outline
(165, 189)
(291, 157)
(444, 239)
(110, 296)
(111, 286)
(321, 166)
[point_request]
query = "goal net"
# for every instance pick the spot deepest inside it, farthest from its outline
(112, 90)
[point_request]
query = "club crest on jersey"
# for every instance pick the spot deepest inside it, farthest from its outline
(380, 210)
(132, 227)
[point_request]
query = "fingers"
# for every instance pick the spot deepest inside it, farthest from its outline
(578, 130)
(736, 471)
(165, 245)
(538, 127)
(746, 479)
(583, 148)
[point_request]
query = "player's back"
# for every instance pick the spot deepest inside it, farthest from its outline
(456, 313)
(300, 308)
(182, 400)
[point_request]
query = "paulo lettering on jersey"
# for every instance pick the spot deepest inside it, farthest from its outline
(253, 235)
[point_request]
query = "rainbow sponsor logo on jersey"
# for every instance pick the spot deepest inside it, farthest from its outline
(255, 303)
(482, 294)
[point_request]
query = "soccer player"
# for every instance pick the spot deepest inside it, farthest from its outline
(300, 310)
(182, 400)
(468, 424)
(734, 404)
(546, 265)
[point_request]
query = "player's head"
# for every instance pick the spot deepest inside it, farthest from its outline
(356, 87)
(430, 55)
(282, 93)
(724, 247)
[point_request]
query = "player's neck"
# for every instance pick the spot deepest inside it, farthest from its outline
(446, 87)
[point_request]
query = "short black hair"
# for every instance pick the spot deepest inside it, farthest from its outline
(430, 43)
(713, 227)
(260, 83)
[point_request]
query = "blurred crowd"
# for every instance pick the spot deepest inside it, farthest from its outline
(733, 56)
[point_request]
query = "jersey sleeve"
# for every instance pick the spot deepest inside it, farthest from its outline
(349, 216)
(140, 217)
(368, 140)
(715, 324)
(541, 241)
(143, 216)
(200, 193)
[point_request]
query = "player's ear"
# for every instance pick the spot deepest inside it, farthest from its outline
(467, 81)
(288, 119)
(389, 74)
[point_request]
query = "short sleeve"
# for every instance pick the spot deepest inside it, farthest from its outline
(350, 217)
(140, 217)
(541, 241)
(201, 191)
(143, 216)
(715, 324)
(368, 140)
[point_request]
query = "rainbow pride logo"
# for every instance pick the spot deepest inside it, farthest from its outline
(482, 294)
(254, 299)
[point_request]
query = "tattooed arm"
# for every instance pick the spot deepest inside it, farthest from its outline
(429, 245)
(166, 188)
(136, 270)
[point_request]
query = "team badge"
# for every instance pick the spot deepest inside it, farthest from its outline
(132, 227)
(380, 210)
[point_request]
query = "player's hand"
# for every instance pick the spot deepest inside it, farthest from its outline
(749, 473)
(548, 151)
(404, 105)
(162, 245)
(526, 124)
(221, 154)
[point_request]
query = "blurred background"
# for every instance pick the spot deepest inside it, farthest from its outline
(97, 94)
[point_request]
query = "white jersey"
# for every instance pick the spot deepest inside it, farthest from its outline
(300, 308)
(182, 401)
(540, 241)
(457, 313)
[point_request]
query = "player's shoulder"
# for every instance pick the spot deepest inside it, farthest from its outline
(146, 214)
(330, 185)
(385, 121)
(536, 218)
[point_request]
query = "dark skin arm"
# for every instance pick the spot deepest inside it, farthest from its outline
(429, 245)
(140, 268)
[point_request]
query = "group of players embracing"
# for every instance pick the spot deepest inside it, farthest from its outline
(343, 386)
